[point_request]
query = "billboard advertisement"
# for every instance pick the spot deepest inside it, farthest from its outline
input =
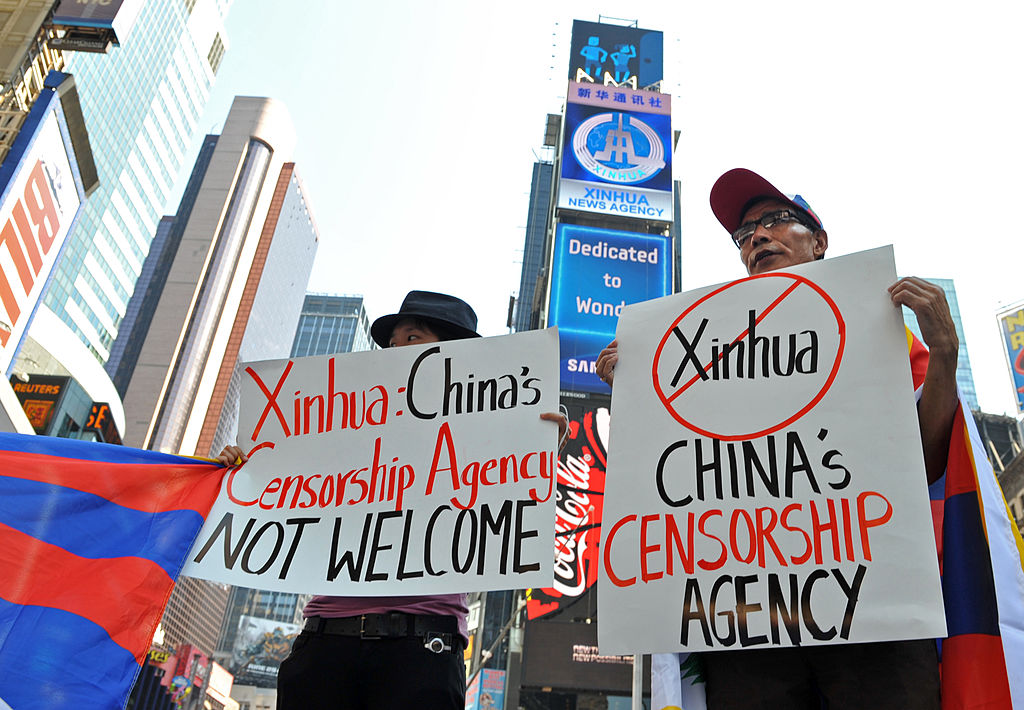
(595, 274)
(260, 646)
(617, 153)
(579, 503)
(118, 16)
(40, 398)
(1011, 327)
(615, 55)
(192, 664)
(486, 691)
(566, 656)
(41, 194)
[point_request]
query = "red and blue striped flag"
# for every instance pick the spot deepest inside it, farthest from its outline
(980, 552)
(92, 537)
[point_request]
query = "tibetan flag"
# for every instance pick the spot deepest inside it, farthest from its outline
(981, 554)
(92, 537)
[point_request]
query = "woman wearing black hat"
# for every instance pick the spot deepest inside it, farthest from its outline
(414, 658)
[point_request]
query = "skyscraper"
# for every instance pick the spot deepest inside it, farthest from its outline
(964, 376)
(236, 282)
(534, 256)
(230, 277)
(581, 205)
(141, 102)
(125, 352)
(331, 324)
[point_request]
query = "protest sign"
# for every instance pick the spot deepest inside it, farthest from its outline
(416, 470)
(766, 483)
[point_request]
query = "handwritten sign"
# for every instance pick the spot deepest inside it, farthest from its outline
(766, 483)
(421, 469)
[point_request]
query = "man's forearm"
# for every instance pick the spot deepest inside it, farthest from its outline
(936, 410)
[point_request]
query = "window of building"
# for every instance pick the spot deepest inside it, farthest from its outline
(216, 53)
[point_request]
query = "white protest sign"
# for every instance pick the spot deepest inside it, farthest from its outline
(415, 470)
(766, 483)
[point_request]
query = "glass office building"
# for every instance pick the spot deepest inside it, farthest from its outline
(527, 317)
(142, 103)
(331, 324)
(124, 354)
(964, 377)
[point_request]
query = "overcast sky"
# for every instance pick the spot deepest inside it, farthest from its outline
(418, 124)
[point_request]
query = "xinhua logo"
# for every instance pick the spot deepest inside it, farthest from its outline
(620, 148)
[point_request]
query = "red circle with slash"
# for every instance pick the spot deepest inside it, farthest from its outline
(667, 398)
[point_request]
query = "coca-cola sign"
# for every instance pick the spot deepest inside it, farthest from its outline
(579, 502)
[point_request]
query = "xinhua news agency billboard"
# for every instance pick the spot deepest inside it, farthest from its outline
(40, 194)
(616, 55)
(595, 274)
(1011, 326)
(617, 153)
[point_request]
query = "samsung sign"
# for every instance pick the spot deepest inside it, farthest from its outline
(595, 274)
(616, 154)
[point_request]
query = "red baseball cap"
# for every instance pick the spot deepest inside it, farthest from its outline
(735, 191)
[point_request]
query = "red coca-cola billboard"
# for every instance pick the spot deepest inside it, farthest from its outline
(579, 502)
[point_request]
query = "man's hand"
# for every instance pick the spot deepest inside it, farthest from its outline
(606, 362)
(928, 302)
(231, 455)
(563, 426)
(939, 398)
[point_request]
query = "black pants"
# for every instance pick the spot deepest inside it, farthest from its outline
(330, 672)
(896, 675)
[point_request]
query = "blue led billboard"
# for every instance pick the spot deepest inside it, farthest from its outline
(606, 54)
(595, 274)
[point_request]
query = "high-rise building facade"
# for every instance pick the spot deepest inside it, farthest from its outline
(235, 283)
(194, 614)
(589, 211)
(331, 324)
(534, 256)
(124, 354)
(230, 278)
(964, 376)
(141, 103)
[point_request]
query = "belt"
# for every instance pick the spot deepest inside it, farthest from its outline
(438, 631)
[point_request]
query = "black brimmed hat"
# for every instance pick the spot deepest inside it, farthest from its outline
(448, 312)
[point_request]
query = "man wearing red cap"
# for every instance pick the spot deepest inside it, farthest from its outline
(773, 230)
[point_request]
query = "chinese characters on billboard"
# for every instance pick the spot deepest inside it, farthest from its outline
(617, 153)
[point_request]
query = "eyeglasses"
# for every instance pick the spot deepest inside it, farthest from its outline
(746, 231)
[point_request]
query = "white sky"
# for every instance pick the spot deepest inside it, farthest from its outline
(418, 124)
